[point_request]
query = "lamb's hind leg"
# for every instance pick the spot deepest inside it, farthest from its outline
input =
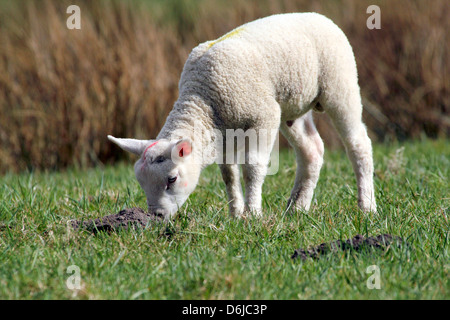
(347, 120)
(304, 138)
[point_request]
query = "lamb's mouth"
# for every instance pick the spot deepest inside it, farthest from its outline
(159, 212)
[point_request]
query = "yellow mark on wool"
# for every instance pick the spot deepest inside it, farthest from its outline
(230, 34)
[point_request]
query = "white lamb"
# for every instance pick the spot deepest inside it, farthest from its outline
(266, 74)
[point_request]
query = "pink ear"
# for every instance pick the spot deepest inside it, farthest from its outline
(184, 148)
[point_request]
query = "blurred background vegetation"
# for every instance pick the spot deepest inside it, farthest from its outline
(62, 91)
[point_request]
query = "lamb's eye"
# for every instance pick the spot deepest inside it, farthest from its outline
(160, 159)
(172, 179)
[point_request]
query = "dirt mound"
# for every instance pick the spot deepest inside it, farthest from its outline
(134, 217)
(357, 243)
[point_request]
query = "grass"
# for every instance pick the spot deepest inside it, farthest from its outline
(205, 254)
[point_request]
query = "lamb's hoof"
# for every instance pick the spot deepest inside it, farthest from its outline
(293, 207)
(368, 208)
(252, 213)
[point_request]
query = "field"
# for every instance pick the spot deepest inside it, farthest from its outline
(206, 254)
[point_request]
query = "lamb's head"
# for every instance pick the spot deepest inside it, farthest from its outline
(165, 170)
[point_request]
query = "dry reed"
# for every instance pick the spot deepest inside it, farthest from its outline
(62, 91)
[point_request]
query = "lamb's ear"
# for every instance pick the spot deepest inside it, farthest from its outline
(131, 145)
(181, 150)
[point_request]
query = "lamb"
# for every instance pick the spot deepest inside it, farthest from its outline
(269, 74)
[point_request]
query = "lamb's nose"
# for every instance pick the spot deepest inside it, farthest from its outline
(158, 212)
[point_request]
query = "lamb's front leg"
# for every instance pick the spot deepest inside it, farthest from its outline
(254, 175)
(230, 175)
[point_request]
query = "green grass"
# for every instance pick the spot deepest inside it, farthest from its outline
(205, 254)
